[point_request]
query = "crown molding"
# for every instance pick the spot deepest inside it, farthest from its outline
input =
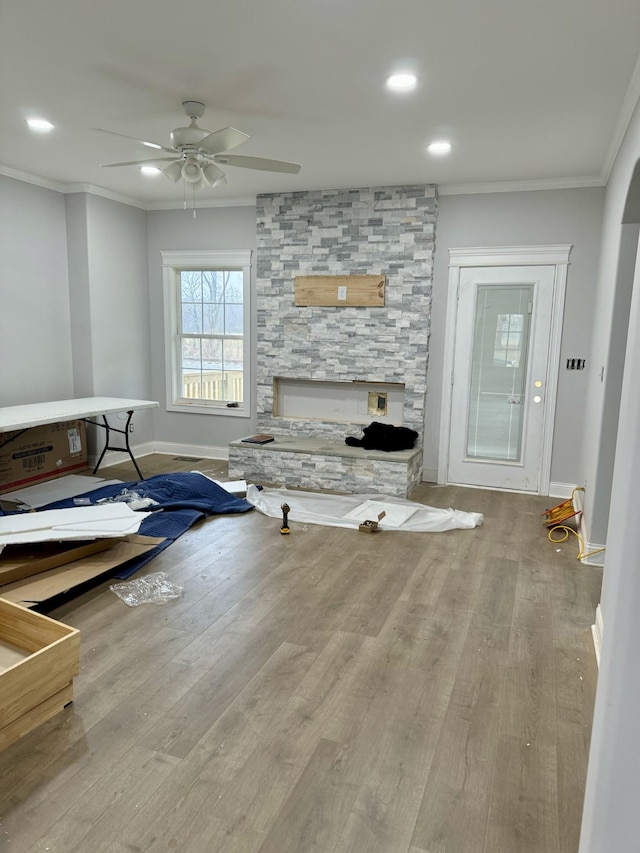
(36, 180)
(521, 186)
(250, 201)
(66, 189)
(92, 189)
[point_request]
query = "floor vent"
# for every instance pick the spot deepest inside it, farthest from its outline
(187, 459)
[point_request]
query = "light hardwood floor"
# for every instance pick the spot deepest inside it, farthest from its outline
(328, 691)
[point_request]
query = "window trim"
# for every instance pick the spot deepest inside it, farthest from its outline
(172, 263)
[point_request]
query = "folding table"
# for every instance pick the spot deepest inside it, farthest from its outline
(31, 415)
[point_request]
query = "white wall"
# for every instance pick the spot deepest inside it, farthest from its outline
(611, 818)
(524, 218)
(35, 326)
(172, 230)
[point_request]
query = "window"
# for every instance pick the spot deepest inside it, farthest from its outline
(507, 350)
(207, 311)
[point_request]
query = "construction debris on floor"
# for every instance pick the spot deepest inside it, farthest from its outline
(352, 510)
(32, 573)
(154, 588)
(115, 528)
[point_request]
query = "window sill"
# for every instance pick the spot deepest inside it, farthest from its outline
(241, 411)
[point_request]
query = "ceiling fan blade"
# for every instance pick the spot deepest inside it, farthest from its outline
(155, 145)
(222, 140)
(258, 163)
(139, 162)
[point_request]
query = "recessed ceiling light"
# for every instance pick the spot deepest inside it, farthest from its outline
(440, 147)
(402, 82)
(39, 124)
(149, 170)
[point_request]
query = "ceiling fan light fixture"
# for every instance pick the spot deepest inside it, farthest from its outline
(191, 172)
(173, 171)
(213, 176)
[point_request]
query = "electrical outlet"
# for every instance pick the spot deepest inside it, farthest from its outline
(131, 427)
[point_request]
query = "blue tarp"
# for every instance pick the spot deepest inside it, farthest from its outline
(183, 498)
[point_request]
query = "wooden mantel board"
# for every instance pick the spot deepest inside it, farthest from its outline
(340, 290)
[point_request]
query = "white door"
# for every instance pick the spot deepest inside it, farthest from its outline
(500, 376)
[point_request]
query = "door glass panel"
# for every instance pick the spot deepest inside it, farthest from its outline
(498, 372)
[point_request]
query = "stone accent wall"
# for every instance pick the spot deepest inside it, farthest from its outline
(387, 230)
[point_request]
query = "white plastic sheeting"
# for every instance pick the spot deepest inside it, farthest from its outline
(82, 522)
(348, 510)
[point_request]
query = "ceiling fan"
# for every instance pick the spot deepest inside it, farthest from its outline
(196, 153)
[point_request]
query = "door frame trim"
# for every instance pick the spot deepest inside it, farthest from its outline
(510, 256)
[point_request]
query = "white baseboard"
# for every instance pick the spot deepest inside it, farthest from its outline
(561, 490)
(116, 457)
(429, 475)
(588, 547)
(597, 632)
(596, 559)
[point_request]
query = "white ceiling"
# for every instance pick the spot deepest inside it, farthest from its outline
(534, 93)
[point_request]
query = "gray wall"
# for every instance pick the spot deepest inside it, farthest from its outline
(600, 476)
(79, 293)
(519, 219)
(172, 230)
(109, 304)
(35, 325)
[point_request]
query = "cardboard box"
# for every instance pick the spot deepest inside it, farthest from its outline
(42, 453)
(39, 659)
(77, 566)
(18, 562)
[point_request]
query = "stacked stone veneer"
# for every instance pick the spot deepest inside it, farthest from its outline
(385, 230)
(360, 474)
(388, 231)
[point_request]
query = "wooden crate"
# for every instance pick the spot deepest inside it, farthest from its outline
(39, 659)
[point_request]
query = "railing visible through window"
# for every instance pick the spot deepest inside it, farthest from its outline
(213, 386)
(211, 323)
